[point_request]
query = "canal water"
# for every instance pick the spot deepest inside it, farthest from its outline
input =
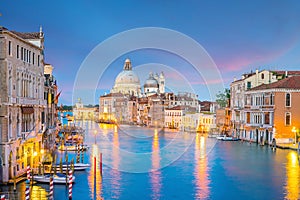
(141, 163)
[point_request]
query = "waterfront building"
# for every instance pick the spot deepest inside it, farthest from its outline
(223, 120)
(25, 112)
(190, 121)
(156, 111)
(237, 95)
(271, 111)
(184, 99)
(49, 116)
(108, 106)
(81, 112)
(174, 117)
(207, 122)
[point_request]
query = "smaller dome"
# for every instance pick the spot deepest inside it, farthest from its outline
(151, 82)
(127, 60)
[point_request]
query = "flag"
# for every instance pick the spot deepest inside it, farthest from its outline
(56, 98)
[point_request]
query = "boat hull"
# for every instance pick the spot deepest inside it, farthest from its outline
(56, 179)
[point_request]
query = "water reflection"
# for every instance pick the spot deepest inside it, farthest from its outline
(115, 173)
(155, 173)
(94, 178)
(292, 176)
(201, 169)
(38, 193)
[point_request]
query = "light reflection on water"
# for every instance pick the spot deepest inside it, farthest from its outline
(201, 168)
(292, 176)
(155, 173)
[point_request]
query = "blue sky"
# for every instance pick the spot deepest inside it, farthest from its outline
(239, 36)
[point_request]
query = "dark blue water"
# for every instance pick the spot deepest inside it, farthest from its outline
(142, 163)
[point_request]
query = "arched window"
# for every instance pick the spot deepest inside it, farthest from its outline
(288, 100)
(262, 76)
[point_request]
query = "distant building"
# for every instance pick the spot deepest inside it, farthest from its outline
(154, 84)
(81, 112)
(223, 120)
(127, 82)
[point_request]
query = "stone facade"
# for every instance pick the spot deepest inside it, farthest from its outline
(23, 101)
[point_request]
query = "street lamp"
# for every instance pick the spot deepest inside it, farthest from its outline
(295, 132)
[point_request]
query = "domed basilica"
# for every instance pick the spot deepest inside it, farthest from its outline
(128, 83)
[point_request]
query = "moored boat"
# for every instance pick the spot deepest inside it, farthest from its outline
(77, 166)
(72, 147)
(57, 178)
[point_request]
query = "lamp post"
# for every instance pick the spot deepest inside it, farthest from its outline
(295, 132)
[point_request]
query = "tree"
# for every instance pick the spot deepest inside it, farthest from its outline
(223, 98)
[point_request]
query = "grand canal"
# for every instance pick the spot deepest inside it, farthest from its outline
(141, 163)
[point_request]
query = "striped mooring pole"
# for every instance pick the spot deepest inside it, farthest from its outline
(51, 188)
(2, 197)
(70, 184)
(27, 192)
(28, 172)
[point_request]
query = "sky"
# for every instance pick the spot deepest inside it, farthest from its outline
(239, 36)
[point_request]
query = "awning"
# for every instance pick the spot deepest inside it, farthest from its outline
(27, 110)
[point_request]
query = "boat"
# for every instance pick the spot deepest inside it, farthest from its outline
(72, 147)
(57, 178)
(77, 166)
(226, 138)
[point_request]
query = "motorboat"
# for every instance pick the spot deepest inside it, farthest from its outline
(227, 138)
(57, 178)
(77, 166)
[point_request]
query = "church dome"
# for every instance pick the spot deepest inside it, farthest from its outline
(127, 82)
(151, 82)
(127, 77)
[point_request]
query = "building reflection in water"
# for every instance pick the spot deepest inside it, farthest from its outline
(38, 193)
(201, 168)
(95, 179)
(155, 173)
(292, 176)
(115, 173)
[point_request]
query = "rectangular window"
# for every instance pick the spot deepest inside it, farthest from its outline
(18, 51)
(287, 119)
(271, 99)
(24, 56)
(9, 48)
(248, 117)
(29, 57)
(21, 53)
(267, 118)
(38, 61)
(288, 100)
(248, 85)
(33, 55)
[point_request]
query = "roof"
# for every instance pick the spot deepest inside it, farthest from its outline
(187, 108)
(289, 73)
(292, 82)
(113, 95)
(32, 35)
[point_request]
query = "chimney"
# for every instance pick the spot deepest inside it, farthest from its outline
(286, 74)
